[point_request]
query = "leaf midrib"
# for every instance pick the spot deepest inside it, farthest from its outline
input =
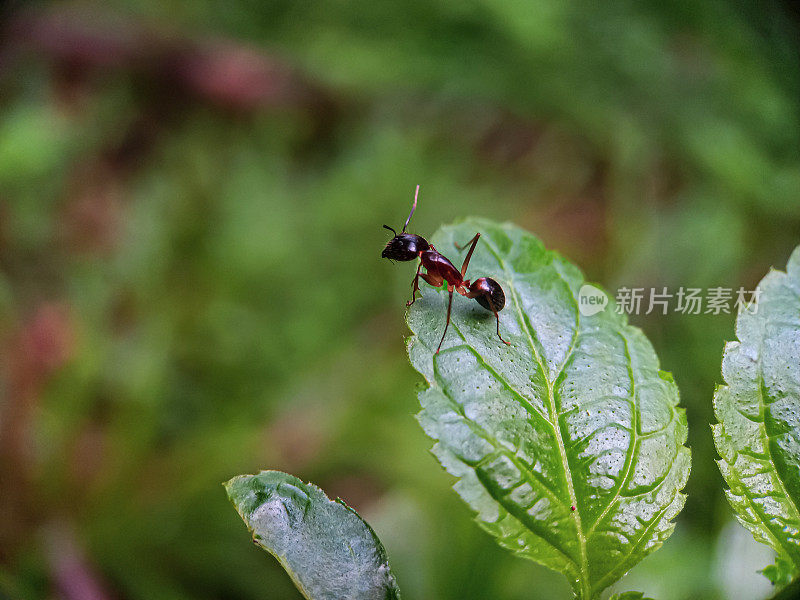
(553, 413)
(529, 476)
(768, 451)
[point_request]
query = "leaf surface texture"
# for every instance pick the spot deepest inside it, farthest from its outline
(758, 414)
(327, 549)
(568, 444)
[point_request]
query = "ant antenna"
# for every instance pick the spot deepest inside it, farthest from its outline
(390, 229)
(413, 208)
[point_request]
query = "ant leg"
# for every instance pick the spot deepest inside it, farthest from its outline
(435, 281)
(460, 248)
(496, 318)
(480, 295)
(415, 286)
(447, 323)
(474, 242)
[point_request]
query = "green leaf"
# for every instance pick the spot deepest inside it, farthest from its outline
(758, 414)
(779, 574)
(327, 549)
(629, 596)
(790, 592)
(568, 444)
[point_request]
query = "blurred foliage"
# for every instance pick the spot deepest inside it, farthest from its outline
(191, 196)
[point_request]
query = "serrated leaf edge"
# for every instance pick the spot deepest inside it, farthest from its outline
(757, 526)
(671, 508)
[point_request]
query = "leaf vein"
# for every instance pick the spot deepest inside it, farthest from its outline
(632, 446)
(584, 563)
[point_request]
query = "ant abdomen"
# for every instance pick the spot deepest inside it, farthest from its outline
(487, 288)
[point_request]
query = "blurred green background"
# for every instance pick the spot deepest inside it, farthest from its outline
(191, 201)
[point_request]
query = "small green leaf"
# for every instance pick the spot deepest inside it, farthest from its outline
(779, 574)
(758, 414)
(327, 549)
(569, 443)
(629, 596)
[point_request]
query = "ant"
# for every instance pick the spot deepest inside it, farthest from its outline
(408, 246)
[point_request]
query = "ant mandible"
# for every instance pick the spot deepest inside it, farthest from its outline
(408, 246)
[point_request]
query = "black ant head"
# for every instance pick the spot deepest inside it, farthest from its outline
(405, 246)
